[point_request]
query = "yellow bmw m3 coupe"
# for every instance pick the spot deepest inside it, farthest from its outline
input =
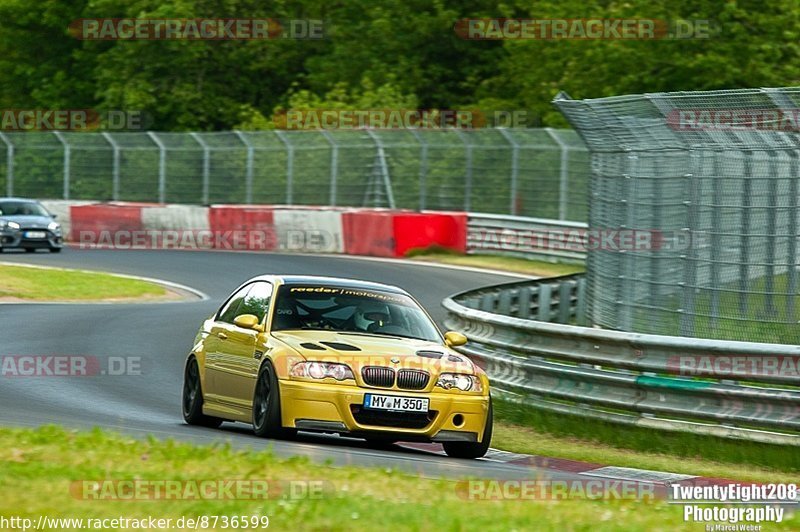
(320, 354)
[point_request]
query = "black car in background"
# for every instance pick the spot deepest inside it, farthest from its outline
(26, 224)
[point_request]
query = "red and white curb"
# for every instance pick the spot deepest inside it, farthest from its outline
(542, 464)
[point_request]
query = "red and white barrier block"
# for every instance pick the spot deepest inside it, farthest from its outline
(374, 232)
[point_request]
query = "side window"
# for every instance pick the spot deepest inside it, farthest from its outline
(256, 301)
(231, 309)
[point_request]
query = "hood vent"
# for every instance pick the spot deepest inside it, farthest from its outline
(430, 354)
(341, 347)
(311, 346)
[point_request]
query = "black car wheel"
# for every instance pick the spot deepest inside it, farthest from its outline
(29, 250)
(458, 449)
(55, 250)
(193, 398)
(267, 405)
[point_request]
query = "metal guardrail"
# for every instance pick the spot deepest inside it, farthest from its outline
(524, 237)
(520, 334)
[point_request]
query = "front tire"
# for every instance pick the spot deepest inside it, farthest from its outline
(459, 449)
(55, 250)
(193, 398)
(267, 421)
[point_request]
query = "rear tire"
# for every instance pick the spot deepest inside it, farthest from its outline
(459, 449)
(29, 250)
(192, 399)
(267, 422)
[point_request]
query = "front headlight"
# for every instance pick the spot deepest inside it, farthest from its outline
(13, 225)
(465, 383)
(54, 227)
(322, 370)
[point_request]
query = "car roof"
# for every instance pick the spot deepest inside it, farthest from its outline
(26, 200)
(330, 281)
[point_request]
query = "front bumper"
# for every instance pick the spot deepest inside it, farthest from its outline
(338, 408)
(18, 238)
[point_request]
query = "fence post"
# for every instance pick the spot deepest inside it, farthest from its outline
(514, 168)
(563, 178)
(423, 170)
(248, 179)
(67, 159)
(289, 165)
(334, 166)
(626, 297)
(387, 181)
(9, 164)
(794, 176)
(206, 165)
(693, 194)
(114, 165)
(162, 166)
(468, 170)
(787, 106)
(769, 280)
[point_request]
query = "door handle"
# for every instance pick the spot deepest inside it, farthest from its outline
(222, 336)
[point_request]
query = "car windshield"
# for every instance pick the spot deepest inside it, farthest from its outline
(351, 310)
(22, 208)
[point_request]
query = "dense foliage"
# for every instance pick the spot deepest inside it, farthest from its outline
(378, 53)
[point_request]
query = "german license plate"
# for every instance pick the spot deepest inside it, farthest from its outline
(397, 404)
(35, 234)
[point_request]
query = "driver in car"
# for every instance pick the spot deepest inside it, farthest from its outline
(372, 315)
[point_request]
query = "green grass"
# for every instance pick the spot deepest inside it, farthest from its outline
(572, 437)
(535, 268)
(51, 284)
(39, 467)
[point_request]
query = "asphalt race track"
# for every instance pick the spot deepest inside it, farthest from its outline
(162, 333)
